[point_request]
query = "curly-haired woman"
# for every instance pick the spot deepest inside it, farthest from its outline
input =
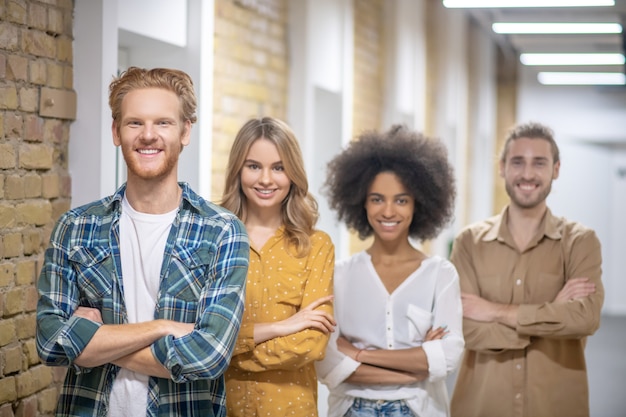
(398, 310)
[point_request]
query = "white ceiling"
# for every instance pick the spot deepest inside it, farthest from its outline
(612, 43)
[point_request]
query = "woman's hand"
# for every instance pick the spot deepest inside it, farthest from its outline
(347, 348)
(436, 334)
(307, 318)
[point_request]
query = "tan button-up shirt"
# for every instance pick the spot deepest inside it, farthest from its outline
(536, 369)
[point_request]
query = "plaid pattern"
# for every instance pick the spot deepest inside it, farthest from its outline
(202, 281)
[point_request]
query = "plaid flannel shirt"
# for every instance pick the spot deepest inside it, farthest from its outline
(202, 281)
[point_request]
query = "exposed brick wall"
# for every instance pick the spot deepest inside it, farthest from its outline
(251, 72)
(35, 52)
(368, 77)
(368, 65)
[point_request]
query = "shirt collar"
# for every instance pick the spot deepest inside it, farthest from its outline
(500, 231)
(189, 197)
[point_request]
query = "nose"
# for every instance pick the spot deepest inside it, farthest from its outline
(266, 176)
(148, 132)
(388, 209)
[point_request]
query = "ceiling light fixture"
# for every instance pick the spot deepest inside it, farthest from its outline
(555, 28)
(525, 3)
(571, 59)
(581, 78)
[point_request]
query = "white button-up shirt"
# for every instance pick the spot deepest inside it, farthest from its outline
(371, 318)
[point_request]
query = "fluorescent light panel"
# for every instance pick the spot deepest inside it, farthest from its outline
(581, 78)
(556, 28)
(525, 3)
(571, 59)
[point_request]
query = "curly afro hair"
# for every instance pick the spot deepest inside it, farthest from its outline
(421, 163)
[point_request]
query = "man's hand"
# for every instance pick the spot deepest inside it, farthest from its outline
(574, 289)
(479, 309)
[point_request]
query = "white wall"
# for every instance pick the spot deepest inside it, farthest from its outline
(588, 123)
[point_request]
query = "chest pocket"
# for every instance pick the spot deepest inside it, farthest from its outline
(94, 272)
(419, 322)
(188, 272)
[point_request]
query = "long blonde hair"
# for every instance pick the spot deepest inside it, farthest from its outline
(299, 209)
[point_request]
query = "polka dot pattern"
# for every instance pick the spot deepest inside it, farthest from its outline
(277, 377)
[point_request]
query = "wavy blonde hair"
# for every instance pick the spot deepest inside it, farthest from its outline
(299, 209)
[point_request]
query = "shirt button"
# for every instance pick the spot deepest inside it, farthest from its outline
(518, 396)
(518, 282)
(518, 366)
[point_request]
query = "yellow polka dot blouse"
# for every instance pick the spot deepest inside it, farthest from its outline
(277, 377)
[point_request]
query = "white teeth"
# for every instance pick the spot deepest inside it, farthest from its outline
(527, 186)
(266, 191)
(388, 224)
(148, 151)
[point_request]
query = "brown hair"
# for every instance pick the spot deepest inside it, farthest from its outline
(531, 130)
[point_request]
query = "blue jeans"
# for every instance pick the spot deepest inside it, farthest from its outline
(373, 408)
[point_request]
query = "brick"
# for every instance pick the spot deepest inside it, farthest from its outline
(17, 68)
(59, 207)
(50, 186)
(25, 326)
(31, 296)
(13, 125)
(27, 407)
(32, 186)
(35, 156)
(33, 128)
(8, 390)
(16, 11)
(14, 187)
(38, 43)
(43, 376)
(8, 98)
(12, 245)
(32, 241)
(7, 273)
(25, 272)
(29, 99)
(34, 212)
(47, 400)
(68, 77)
(3, 59)
(37, 16)
(55, 130)
(37, 71)
(7, 332)
(64, 49)
(14, 302)
(58, 373)
(55, 20)
(30, 352)
(8, 156)
(9, 36)
(7, 216)
(12, 358)
(55, 74)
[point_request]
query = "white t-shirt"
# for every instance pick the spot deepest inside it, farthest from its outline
(371, 318)
(142, 242)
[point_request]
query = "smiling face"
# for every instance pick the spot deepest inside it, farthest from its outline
(151, 134)
(263, 179)
(528, 170)
(389, 207)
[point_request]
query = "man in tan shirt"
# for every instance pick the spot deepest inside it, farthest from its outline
(531, 291)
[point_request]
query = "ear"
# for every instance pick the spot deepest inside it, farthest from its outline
(117, 141)
(185, 137)
(555, 172)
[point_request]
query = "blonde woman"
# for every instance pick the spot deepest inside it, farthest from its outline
(288, 310)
